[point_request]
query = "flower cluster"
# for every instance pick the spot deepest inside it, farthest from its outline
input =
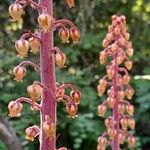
(33, 42)
(71, 101)
(22, 45)
(116, 81)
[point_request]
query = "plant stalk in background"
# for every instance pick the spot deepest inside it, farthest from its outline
(118, 48)
(47, 90)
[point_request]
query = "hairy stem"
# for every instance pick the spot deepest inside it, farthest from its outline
(115, 142)
(47, 79)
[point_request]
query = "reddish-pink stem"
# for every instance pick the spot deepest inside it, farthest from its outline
(47, 68)
(115, 142)
(64, 22)
(67, 85)
(25, 63)
(27, 100)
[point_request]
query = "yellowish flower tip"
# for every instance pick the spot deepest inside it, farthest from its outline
(70, 3)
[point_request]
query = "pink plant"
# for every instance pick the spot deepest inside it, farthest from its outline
(117, 46)
(47, 90)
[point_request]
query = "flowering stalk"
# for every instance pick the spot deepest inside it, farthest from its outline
(47, 90)
(117, 46)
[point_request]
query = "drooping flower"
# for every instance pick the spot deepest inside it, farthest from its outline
(32, 132)
(60, 59)
(35, 91)
(76, 96)
(49, 129)
(72, 110)
(22, 47)
(34, 45)
(75, 34)
(19, 73)
(15, 11)
(15, 109)
(45, 21)
(64, 35)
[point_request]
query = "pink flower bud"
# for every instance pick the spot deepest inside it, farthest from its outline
(110, 28)
(49, 129)
(131, 141)
(76, 96)
(111, 132)
(120, 80)
(72, 110)
(130, 109)
(102, 57)
(103, 82)
(35, 91)
(129, 52)
(45, 21)
(122, 138)
(60, 59)
(109, 37)
(70, 3)
(102, 141)
(15, 109)
(114, 47)
(127, 36)
(109, 122)
(131, 123)
(121, 95)
(126, 79)
(110, 72)
(75, 35)
(119, 60)
(121, 108)
(102, 110)
(101, 89)
(128, 64)
(110, 92)
(32, 132)
(124, 123)
(60, 93)
(105, 43)
(19, 73)
(129, 93)
(64, 35)
(111, 102)
(22, 47)
(34, 45)
(15, 11)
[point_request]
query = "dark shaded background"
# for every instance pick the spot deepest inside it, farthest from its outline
(83, 68)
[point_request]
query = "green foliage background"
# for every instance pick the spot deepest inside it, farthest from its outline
(83, 69)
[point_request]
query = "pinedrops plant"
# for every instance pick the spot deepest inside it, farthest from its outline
(117, 50)
(48, 91)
